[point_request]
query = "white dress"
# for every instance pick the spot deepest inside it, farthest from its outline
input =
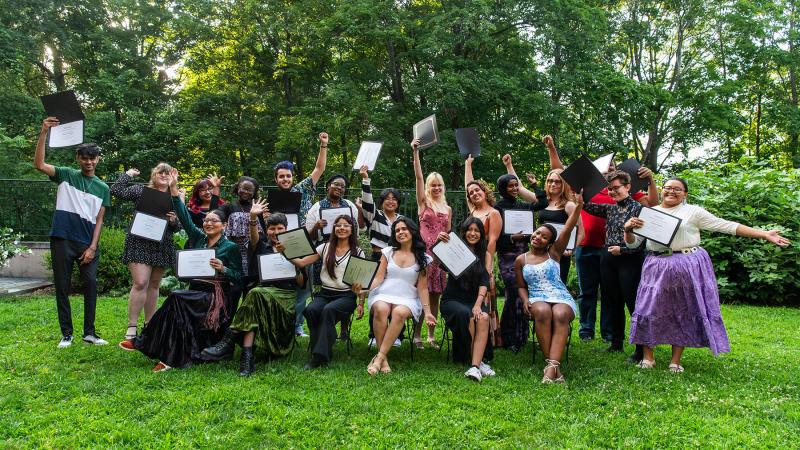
(399, 287)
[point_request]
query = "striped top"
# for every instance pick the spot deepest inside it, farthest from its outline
(78, 203)
(380, 228)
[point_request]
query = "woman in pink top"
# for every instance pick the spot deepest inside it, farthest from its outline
(435, 218)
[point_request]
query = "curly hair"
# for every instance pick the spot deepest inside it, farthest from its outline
(417, 243)
(487, 191)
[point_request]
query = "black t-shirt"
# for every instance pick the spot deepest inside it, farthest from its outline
(454, 291)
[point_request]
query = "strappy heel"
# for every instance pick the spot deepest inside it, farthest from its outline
(551, 364)
(374, 365)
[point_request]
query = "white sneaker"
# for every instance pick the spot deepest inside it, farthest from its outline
(300, 332)
(486, 370)
(94, 339)
(474, 373)
(66, 341)
(371, 343)
(397, 343)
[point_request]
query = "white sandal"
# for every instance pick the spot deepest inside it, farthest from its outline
(551, 364)
(675, 368)
(646, 364)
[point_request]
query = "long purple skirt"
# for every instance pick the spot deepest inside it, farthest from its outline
(677, 303)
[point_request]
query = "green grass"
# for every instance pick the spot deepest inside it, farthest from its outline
(103, 397)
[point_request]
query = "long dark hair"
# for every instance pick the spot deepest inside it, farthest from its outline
(469, 280)
(417, 244)
(330, 257)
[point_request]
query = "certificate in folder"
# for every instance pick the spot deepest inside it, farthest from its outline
(297, 243)
(518, 221)
(195, 263)
(154, 202)
(148, 227)
(454, 255)
(360, 270)
(64, 106)
(582, 174)
(658, 226)
(287, 203)
(275, 267)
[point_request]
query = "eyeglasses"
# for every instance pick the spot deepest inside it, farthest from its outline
(343, 225)
(672, 189)
(553, 181)
(212, 221)
(339, 185)
(616, 188)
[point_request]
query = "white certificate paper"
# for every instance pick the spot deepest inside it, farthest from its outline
(297, 243)
(368, 155)
(572, 237)
(196, 263)
(455, 256)
(518, 221)
(293, 221)
(658, 226)
(66, 134)
(330, 214)
(359, 270)
(275, 266)
(602, 163)
(147, 226)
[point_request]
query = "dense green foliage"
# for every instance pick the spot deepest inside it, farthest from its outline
(749, 193)
(103, 397)
(236, 85)
(10, 245)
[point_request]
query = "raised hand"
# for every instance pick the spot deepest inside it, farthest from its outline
(548, 141)
(364, 172)
(415, 144)
(258, 208)
(531, 177)
(506, 160)
(323, 139)
(215, 179)
(469, 159)
(132, 172)
(49, 123)
(644, 173)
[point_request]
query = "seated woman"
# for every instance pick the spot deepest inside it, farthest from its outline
(678, 301)
(399, 285)
(267, 314)
(538, 274)
(335, 301)
(464, 304)
(190, 320)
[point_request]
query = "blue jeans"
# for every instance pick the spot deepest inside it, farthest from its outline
(587, 263)
(303, 294)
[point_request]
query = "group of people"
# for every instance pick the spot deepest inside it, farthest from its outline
(670, 292)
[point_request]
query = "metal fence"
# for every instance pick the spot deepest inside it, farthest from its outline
(27, 206)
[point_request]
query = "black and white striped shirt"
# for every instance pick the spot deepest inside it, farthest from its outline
(380, 228)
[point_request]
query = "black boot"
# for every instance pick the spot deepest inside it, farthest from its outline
(616, 346)
(637, 355)
(222, 349)
(247, 362)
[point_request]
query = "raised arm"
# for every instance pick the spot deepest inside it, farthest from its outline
(419, 179)
(555, 160)
(524, 193)
(652, 190)
(181, 211)
(367, 201)
(322, 158)
(123, 190)
(569, 208)
(38, 156)
(258, 208)
(563, 237)
(468, 177)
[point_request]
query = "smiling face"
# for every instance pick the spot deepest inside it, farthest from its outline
(541, 238)
(554, 184)
(204, 192)
(246, 191)
(161, 180)
(401, 232)
(434, 185)
(87, 164)
(476, 194)
(512, 189)
(472, 235)
(673, 193)
(389, 204)
(273, 230)
(212, 225)
(284, 178)
(618, 190)
(342, 228)
(336, 189)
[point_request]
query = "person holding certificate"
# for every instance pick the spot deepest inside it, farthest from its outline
(435, 218)
(336, 301)
(464, 304)
(399, 290)
(245, 191)
(514, 327)
(677, 302)
(316, 223)
(191, 320)
(146, 259)
(548, 299)
(265, 319)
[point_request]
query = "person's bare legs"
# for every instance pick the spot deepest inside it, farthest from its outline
(543, 317)
(399, 316)
(156, 274)
(140, 277)
(562, 316)
(480, 335)
(677, 352)
(647, 353)
(380, 321)
(434, 303)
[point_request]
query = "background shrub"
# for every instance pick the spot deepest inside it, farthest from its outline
(752, 194)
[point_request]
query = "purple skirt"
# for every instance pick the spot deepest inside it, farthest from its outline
(677, 303)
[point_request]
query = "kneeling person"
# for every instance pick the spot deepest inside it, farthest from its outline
(266, 317)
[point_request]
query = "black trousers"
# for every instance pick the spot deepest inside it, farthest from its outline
(619, 280)
(327, 308)
(65, 254)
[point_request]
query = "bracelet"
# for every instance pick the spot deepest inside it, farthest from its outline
(323, 146)
(253, 222)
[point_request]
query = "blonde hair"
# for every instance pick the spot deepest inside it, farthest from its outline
(160, 168)
(487, 191)
(566, 192)
(440, 205)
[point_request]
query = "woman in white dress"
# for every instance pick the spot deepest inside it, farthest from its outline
(399, 290)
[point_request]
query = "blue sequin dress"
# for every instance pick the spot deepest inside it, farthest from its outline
(545, 285)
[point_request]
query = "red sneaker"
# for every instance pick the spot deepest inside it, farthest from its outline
(127, 344)
(161, 367)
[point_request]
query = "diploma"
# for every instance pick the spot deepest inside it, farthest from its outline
(359, 270)
(455, 256)
(572, 237)
(293, 221)
(66, 135)
(147, 226)
(297, 243)
(518, 221)
(330, 214)
(658, 226)
(196, 263)
(274, 267)
(368, 155)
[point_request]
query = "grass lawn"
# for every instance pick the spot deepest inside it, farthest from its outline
(103, 397)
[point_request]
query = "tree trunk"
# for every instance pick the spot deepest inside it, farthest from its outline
(793, 131)
(758, 127)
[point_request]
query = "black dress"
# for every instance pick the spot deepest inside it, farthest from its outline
(456, 307)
